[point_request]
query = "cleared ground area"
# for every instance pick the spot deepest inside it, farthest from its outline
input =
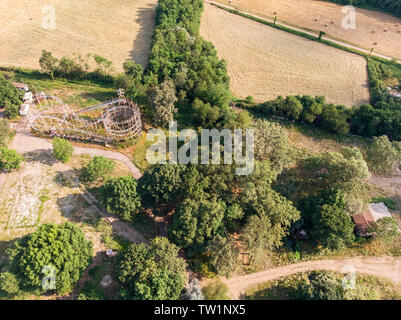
(118, 30)
(265, 62)
(373, 29)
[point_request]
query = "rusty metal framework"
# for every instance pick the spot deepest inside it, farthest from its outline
(115, 120)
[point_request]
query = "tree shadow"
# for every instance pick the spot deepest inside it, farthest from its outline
(43, 156)
(74, 207)
(142, 43)
(69, 178)
(98, 95)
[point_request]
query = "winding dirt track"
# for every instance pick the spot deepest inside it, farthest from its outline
(386, 267)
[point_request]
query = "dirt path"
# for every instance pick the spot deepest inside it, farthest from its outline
(350, 46)
(386, 267)
(24, 142)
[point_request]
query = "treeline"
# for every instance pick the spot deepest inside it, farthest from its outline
(381, 117)
(180, 54)
(391, 6)
(78, 67)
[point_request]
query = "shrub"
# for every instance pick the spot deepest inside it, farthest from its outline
(8, 284)
(98, 168)
(120, 197)
(216, 290)
(62, 149)
(9, 159)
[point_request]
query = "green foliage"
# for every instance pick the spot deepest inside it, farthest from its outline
(63, 247)
(381, 155)
(152, 273)
(62, 149)
(48, 63)
(192, 63)
(271, 143)
(120, 197)
(215, 290)
(195, 222)
(9, 159)
(327, 221)
(311, 110)
(160, 184)
(5, 132)
(322, 285)
(224, 255)
(162, 101)
(8, 284)
(98, 168)
(385, 228)
(10, 98)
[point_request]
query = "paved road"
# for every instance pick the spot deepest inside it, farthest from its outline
(383, 266)
(304, 31)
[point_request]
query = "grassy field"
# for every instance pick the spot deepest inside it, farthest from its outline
(304, 12)
(366, 288)
(265, 62)
(118, 30)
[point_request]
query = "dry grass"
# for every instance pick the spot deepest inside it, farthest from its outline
(118, 30)
(265, 62)
(303, 13)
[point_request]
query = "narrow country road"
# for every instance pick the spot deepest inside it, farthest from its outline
(350, 46)
(383, 266)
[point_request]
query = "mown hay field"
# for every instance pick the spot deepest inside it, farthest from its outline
(373, 28)
(266, 62)
(118, 30)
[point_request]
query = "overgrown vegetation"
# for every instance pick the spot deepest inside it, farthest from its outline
(62, 149)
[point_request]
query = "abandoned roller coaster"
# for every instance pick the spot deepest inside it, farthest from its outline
(115, 120)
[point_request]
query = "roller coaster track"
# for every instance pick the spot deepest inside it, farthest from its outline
(115, 120)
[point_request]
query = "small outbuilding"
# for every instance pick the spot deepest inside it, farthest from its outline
(362, 222)
(379, 210)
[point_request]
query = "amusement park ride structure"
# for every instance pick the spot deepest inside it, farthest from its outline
(115, 120)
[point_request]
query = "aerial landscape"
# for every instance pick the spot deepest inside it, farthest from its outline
(218, 150)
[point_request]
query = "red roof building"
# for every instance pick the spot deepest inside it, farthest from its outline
(362, 222)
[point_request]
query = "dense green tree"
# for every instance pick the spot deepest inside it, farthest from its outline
(327, 221)
(48, 63)
(197, 221)
(98, 168)
(62, 149)
(161, 184)
(162, 101)
(224, 255)
(271, 143)
(9, 159)
(322, 286)
(155, 272)
(10, 97)
(8, 284)
(381, 155)
(120, 197)
(59, 248)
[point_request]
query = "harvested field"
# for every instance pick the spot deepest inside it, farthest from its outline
(118, 30)
(265, 62)
(304, 12)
